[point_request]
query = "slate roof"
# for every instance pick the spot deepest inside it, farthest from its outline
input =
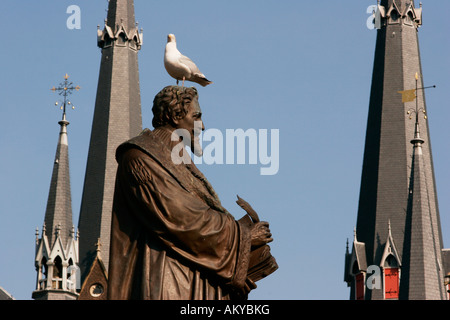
(117, 118)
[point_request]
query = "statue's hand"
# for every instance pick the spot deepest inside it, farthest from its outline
(260, 234)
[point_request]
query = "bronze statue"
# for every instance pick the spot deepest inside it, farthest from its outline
(170, 236)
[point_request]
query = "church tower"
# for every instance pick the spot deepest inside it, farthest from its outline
(397, 251)
(117, 118)
(56, 257)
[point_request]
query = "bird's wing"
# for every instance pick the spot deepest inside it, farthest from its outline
(189, 64)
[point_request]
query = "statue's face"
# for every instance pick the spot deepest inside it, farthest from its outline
(193, 123)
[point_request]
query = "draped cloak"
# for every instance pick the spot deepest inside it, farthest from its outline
(170, 236)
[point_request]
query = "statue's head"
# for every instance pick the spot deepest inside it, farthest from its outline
(178, 108)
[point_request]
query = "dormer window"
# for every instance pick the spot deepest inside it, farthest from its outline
(121, 39)
(394, 17)
(133, 43)
(359, 286)
(107, 42)
(359, 282)
(391, 278)
(409, 19)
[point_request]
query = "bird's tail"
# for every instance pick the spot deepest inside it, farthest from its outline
(201, 80)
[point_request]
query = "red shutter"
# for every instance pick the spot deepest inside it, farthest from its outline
(391, 283)
(359, 286)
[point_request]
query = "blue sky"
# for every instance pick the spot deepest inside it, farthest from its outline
(302, 67)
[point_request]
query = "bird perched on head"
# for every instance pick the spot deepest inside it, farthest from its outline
(181, 67)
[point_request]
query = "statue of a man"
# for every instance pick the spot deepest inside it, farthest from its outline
(170, 236)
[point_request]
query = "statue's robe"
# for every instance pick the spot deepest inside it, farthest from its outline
(170, 236)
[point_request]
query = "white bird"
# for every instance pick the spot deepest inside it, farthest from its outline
(181, 67)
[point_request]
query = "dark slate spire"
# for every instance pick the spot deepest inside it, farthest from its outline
(387, 156)
(117, 118)
(58, 215)
(422, 277)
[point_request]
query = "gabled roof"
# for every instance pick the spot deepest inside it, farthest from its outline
(356, 262)
(390, 249)
(95, 285)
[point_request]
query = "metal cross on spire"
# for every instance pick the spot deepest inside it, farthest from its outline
(65, 89)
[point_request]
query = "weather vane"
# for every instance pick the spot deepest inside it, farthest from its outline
(65, 88)
(410, 95)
